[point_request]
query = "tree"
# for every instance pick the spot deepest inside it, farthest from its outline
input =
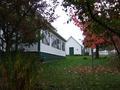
(91, 40)
(103, 12)
(21, 20)
(103, 15)
(94, 41)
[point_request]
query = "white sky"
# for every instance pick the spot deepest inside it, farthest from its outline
(64, 29)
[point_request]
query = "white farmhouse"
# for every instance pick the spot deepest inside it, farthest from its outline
(72, 47)
(51, 46)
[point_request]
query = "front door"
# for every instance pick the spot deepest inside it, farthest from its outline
(71, 51)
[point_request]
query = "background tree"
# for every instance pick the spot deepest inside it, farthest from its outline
(21, 20)
(94, 41)
(91, 39)
(104, 16)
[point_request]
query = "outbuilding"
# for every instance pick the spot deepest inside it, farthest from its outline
(72, 47)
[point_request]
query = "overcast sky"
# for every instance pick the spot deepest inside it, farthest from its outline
(64, 29)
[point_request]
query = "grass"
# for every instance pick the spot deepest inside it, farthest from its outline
(57, 75)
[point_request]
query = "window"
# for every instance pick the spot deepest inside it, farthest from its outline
(46, 37)
(63, 46)
(53, 41)
(60, 44)
(57, 43)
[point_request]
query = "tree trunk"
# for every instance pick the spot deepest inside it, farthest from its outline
(16, 42)
(97, 51)
(116, 48)
(114, 44)
(8, 46)
(8, 43)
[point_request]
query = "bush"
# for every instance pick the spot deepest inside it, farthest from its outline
(18, 72)
(85, 58)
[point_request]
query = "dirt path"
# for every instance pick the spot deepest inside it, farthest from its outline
(95, 69)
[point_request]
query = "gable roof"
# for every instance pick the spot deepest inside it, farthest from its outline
(74, 40)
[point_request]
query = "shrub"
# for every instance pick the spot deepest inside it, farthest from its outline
(85, 58)
(18, 72)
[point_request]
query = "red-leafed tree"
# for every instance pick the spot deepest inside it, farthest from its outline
(104, 16)
(91, 39)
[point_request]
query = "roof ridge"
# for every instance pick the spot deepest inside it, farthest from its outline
(74, 40)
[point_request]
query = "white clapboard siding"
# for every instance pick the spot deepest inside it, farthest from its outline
(47, 48)
(71, 42)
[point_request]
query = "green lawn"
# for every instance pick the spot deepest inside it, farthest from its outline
(57, 75)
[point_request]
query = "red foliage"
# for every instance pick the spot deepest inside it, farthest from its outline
(78, 23)
(91, 39)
